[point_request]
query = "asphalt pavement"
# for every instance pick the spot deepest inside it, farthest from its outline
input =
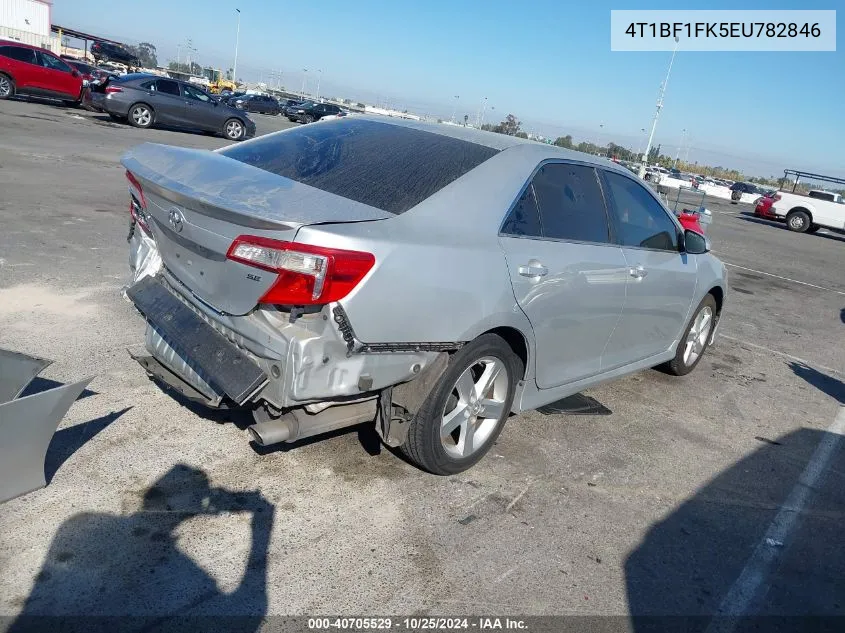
(664, 506)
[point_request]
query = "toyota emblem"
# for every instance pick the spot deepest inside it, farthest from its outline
(176, 219)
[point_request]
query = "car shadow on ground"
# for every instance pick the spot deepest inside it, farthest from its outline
(689, 563)
(106, 120)
(750, 217)
(131, 568)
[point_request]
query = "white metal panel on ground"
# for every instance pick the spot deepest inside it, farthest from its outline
(32, 16)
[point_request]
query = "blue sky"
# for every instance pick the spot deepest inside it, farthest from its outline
(548, 62)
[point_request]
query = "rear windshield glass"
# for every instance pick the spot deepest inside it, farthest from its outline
(386, 166)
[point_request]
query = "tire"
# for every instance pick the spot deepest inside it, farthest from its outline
(308, 119)
(457, 391)
(234, 129)
(798, 221)
(7, 87)
(141, 115)
(684, 361)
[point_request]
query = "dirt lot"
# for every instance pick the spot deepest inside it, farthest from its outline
(725, 488)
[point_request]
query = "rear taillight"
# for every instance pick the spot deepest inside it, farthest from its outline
(137, 202)
(308, 275)
(112, 89)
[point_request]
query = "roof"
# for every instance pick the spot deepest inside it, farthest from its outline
(535, 149)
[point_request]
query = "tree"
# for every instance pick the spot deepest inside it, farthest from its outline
(229, 74)
(146, 54)
(653, 153)
(521, 134)
(509, 126)
(564, 141)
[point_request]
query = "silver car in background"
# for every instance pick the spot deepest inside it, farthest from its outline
(431, 278)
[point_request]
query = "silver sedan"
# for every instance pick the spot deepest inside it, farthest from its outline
(431, 278)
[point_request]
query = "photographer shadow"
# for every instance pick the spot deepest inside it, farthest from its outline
(102, 566)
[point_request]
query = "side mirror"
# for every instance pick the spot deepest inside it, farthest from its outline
(695, 243)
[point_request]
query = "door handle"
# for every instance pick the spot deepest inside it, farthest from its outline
(637, 272)
(533, 270)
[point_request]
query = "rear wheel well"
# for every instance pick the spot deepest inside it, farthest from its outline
(515, 339)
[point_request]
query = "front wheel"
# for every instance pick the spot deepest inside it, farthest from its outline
(234, 130)
(141, 115)
(308, 119)
(7, 87)
(467, 408)
(798, 221)
(695, 340)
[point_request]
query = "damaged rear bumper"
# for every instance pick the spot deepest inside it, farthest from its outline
(284, 359)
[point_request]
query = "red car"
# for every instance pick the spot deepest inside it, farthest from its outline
(763, 208)
(34, 71)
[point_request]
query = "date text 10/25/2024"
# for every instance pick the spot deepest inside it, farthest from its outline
(416, 624)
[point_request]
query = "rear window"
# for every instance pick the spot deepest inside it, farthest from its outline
(386, 166)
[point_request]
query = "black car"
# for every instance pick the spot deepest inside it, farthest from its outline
(256, 103)
(309, 111)
(108, 52)
(290, 107)
(739, 188)
(146, 100)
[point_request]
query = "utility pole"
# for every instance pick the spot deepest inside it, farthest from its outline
(480, 120)
(657, 112)
(640, 145)
(683, 136)
(319, 77)
(304, 79)
(237, 42)
(455, 107)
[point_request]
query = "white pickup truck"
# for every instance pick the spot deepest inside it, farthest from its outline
(808, 213)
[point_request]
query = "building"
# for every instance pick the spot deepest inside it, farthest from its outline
(28, 21)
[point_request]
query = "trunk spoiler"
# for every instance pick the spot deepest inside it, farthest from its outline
(216, 185)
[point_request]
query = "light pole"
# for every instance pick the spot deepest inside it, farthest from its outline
(657, 112)
(640, 145)
(319, 77)
(237, 41)
(678, 155)
(304, 78)
(480, 119)
(455, 108)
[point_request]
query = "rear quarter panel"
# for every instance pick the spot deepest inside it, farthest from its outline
(440, 273)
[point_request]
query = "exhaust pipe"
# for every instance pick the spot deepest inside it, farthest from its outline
(272, 431)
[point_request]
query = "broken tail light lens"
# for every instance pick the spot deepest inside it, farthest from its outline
(137, 202)
(307, 275)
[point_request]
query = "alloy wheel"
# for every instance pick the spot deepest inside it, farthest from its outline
(234, 129)
(475, 407)
(796, 222)
(698, 335)
(142, 116)
(5, 86)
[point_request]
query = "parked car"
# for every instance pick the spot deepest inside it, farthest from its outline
(739, 188)
(146, 100)
(263, 104)
(29, 70)
(290, 108)
(290, 287)
(89, 73)
(309, 111)
(332, 117)
(286, 103)
(806, 214)
(108, 52)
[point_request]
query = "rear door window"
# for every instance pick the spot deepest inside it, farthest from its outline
(390, 167)
(641, 220)
(524, 218)
(571, 204)
(18, 53)
(168, 87)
